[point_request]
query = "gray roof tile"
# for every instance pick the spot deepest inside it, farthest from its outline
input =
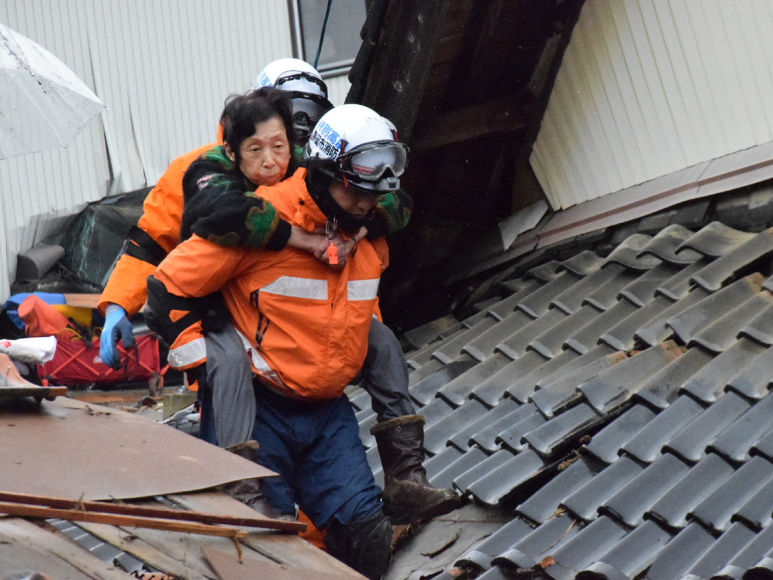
(491, 390)
(708, 384)
(664, 245)
(695, 485)
(691, 442)
(646, 445)
(715, 240)
(630, 503)
(715, 511)
(759, 248)
(631, 556)
(606, 444)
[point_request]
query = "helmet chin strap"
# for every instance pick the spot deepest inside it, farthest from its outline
(317, 183)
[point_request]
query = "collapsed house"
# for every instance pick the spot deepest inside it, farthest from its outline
(584, 293)
(594, 368)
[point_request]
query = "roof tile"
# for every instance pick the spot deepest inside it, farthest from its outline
(715, 511)
(630, 503)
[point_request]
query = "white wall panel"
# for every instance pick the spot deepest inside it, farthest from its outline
(337, 88)
(162, 67)
(650, 87)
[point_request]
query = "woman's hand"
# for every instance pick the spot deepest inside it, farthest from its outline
(313, 243)
(317, 244)
(345, 251)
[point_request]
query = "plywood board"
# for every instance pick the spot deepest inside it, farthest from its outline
(69, 449)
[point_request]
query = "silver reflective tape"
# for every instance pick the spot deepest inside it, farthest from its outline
(187, 354)
(298, 288)
(362, 289)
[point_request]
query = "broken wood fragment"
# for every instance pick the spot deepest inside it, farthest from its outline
(118, 520)
(93, 507)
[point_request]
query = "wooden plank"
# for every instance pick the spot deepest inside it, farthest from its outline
(494, 117)
(82, 300)
(402, 60)
(457, 17)
(61, 547)
(119, 520)
(123, 396)
(281, 548)
(140, 511)
(449, 48)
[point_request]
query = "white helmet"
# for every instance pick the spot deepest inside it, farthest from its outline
(307, 90)
(356, 145)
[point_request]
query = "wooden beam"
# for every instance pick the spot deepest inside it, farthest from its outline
(494, 117)
(29, 511)
(147, 512)
(402, 60)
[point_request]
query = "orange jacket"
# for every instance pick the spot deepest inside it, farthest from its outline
(305, 325)
(163, 212)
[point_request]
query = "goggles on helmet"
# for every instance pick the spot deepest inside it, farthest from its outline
(370, 162)
(312, 106)
(300, 82)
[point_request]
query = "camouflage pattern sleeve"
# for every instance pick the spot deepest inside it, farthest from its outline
(221, 206)
(391, 214)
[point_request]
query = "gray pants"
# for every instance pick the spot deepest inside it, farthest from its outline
(229, 376)
(385, 374)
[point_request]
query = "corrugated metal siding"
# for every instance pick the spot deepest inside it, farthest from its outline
(337, 88)
(649, 87)
(162, 67)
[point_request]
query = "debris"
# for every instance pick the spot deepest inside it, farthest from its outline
(123, 509)
(444, 547)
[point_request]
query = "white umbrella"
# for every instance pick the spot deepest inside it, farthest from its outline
(43, 104)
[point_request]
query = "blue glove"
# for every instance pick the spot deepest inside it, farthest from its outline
(116, 326)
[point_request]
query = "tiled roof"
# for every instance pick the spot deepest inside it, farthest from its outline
(617, 406)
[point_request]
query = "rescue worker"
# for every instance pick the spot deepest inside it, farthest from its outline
(409, 496)
(303, 325)
(215, 209)
(158, 230)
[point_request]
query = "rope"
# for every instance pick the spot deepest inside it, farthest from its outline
(322, 34)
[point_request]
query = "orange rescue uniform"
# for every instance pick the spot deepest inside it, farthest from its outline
(163, 213)
(305, 325)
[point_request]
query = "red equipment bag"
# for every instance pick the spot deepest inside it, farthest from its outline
(74, 364)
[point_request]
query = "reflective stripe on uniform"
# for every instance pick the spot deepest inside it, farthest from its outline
(362, 289)
(188, 354)
(298, 288)
(257, 361)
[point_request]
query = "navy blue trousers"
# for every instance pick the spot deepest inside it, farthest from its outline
(315, 447)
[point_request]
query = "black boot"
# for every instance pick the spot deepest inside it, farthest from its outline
(364, 545)
(408, 496)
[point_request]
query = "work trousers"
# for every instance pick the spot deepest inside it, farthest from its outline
(229, 378)
(315, 447)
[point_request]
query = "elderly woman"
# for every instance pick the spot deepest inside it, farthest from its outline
(303, 326)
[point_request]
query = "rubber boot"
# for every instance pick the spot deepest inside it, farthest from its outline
(364, 545)
(408, 496)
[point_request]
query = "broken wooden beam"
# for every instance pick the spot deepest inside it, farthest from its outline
(494, 117)
(30, 511)
(399, 65)
(94, 507)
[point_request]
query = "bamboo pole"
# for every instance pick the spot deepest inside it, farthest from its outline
(141, 511)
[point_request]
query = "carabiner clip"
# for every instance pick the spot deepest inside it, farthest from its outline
(331, 232)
